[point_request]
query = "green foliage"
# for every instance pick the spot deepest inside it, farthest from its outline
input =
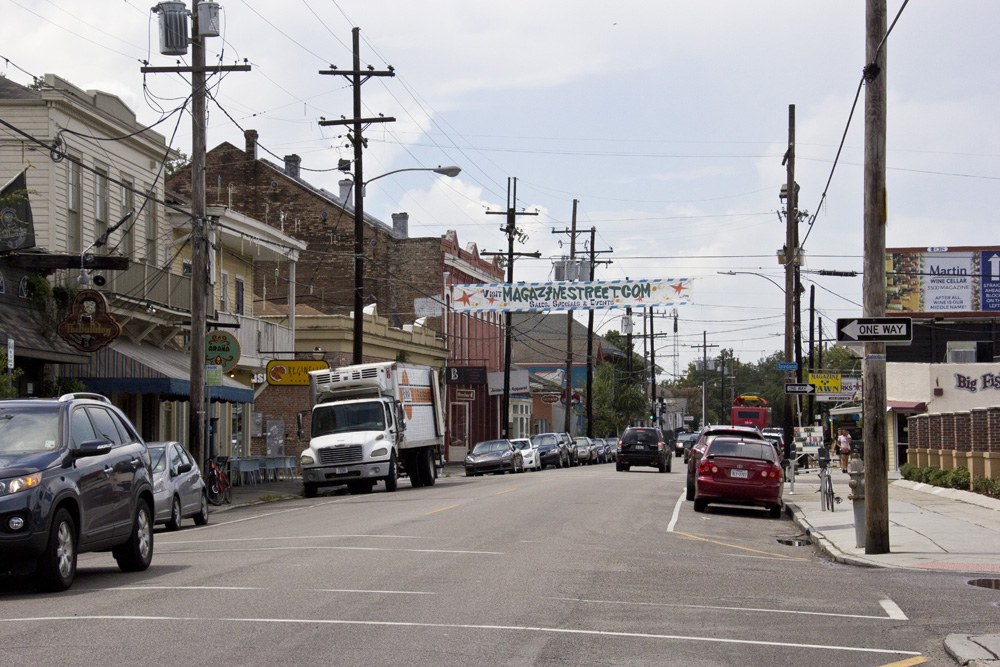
(986, 486)
(939, 477)
(8, 378)
(958, 478)
(617, 402)
(175, 166)
(908, 471)
(50, 389)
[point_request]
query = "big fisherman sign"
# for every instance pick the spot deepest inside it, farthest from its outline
(556, 296)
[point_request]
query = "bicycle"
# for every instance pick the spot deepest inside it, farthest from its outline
(218, 486)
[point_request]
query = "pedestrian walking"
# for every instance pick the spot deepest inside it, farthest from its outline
(844, 448)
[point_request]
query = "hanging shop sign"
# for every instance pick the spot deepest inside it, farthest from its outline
(89, 326)
(287, 372)
(561, 296)
(222, 349)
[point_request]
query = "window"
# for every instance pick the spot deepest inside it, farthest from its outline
(239, 310)
(105, 425)
(128, 229)
(101, 197)
(961, 352)
(81, 430)
(73, 228)
(150, 230)
(224, 292)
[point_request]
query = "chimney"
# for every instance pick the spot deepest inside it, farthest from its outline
(345, 190)
(400, 225)
(251, 140)
(292, 163)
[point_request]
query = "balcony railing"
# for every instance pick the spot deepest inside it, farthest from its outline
(255, 335)
(149, 283)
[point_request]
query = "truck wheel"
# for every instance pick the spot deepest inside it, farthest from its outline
(391, 481)
(413, 470)
(309, 490)
(425, 464)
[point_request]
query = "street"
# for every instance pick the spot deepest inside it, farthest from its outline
(578, 566)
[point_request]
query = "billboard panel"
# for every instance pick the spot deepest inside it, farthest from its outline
(962, 281)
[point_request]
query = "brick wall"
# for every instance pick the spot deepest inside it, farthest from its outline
(963, 432)
(947, 431)
(994, 429)
(979, 433)
(917, 431)
(934, 431)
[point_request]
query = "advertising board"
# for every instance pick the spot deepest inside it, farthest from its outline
(959, 282)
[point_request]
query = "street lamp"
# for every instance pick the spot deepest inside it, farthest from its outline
(359, 249)
(751, 273)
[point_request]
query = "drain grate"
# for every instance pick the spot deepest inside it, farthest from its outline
(986, 583)
(794, 541)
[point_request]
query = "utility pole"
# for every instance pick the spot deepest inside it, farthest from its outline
(200, 284)
(873, 373)
(512, 232)
(791, 253)
(704, 376)
(628, 363)
(652, 362)
(568, 390)
(812, 342)
(357, 76)
(590, 336)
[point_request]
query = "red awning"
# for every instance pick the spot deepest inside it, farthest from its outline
(907, 406)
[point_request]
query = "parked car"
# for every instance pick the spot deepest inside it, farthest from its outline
(493, 456)
(684, 443)
(740, 471)
(567, 441)
(586, 451)
(74, 477)
(642, 446)
(551, 450)
(529, 454)
(602, 449)
(705, 437)
(178, 489)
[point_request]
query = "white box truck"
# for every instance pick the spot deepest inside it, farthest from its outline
(373, 422)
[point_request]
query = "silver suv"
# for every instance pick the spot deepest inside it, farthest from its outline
(74, 477)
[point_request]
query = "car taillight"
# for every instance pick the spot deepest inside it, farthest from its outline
(707, 468)
(659, 446)
(773, 471)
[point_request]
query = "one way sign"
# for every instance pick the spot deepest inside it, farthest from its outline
(891, 330)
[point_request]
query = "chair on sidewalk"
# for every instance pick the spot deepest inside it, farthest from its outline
(247, 470)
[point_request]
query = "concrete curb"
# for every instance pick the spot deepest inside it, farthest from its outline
(825, 545)
(953, 494)
(973, 650)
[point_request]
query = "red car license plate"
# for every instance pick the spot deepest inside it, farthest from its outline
(739, 473)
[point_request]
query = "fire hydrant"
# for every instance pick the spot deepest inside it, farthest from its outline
(856, 469)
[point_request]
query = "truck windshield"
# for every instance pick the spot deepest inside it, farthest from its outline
(327, 419)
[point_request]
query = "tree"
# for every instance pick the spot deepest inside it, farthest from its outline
(617, 402)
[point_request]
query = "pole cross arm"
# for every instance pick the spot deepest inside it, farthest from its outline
(190, 70)
(352, 121)
(362, 72)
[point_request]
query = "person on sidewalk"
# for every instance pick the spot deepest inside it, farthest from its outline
(844, 448)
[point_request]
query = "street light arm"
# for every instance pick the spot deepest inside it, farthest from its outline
(751, 273)
(450, 172)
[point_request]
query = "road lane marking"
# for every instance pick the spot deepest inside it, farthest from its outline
(287, 537)
(735, 546)
(507, 491)
(720, 608)
(246, 588)
(677, 513)
(461, 626)
(417, 551)
(893, 610)
(450, 507)
(909, 662)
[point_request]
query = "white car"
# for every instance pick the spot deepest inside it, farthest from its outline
(529, 453)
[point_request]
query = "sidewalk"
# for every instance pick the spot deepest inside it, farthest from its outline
(930, 528)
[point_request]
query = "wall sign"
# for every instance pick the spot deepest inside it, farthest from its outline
(89, 326)
(222, 349)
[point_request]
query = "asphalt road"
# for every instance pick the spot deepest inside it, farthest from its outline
(566, 567)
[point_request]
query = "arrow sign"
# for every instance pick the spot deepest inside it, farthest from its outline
(875, 329)
(800, 388)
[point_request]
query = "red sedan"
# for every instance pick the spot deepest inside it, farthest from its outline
(738, 471)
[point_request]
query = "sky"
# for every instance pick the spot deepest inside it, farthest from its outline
(666, 120)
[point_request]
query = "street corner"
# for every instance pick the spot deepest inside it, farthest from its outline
(973, 650)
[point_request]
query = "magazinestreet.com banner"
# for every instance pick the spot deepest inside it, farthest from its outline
(556, 296)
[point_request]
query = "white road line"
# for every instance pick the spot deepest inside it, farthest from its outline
(161, 552)
(677, 512)
(288, 537)
(243, 588)
(782, 558)
(756, 609)
(893, 610)
(461, 626)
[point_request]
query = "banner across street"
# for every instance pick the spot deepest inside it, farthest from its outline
(584, 295)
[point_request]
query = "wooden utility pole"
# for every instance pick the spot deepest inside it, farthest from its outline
(590, 336)
(652, 363)
(791, 258)
(568, 391)
(357, 76)
(512, 232)
(200, 283)
(873, 373)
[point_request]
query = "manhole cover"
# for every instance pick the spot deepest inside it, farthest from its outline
(986, 583)
(794, 541)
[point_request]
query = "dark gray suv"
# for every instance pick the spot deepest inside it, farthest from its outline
(74, 477)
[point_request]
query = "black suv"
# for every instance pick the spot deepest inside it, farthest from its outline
(74, 477)
(640, 446)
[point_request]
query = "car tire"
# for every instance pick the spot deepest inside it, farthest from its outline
(174, 523)
(670, 465)
(662, 467)
(618, 467)
(700, 504)
(689, 491)
(774, 511)
(57, 567)
(392, 479)
(201, 518)
(309, 490)
(137, 553)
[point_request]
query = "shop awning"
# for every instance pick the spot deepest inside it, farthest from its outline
(138, 368)
(907, 406)
(29, 342)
